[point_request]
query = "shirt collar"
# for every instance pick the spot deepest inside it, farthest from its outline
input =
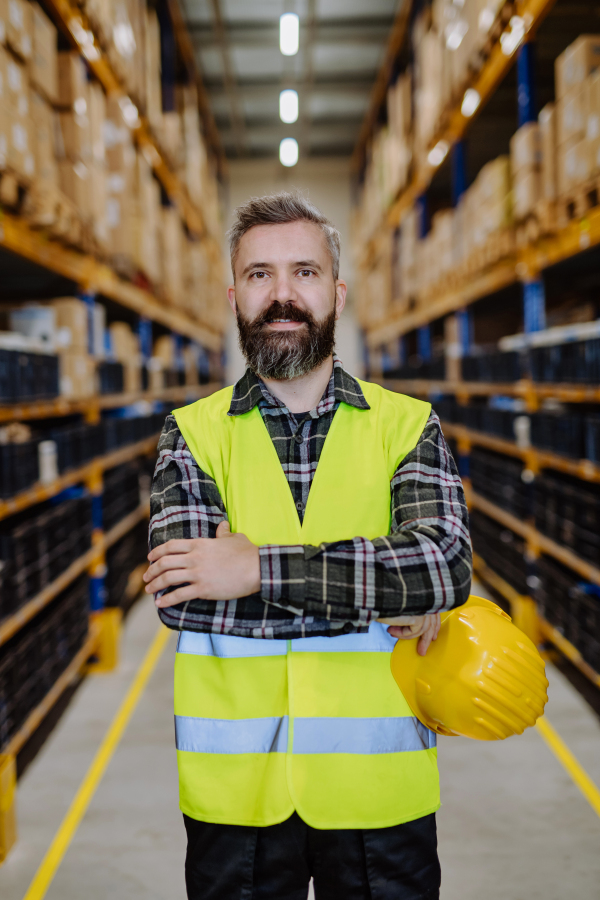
(342, 388)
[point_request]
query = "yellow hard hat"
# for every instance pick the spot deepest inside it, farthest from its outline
(482, 678)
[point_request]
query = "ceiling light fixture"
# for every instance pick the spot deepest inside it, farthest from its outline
(470, 103)
(289, 34)
(288, 106)
(288, 152)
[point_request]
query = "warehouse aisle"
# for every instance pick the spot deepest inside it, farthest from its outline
(513, 825)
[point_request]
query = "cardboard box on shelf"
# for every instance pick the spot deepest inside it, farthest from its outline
(547, 125)
(571, 115)
(76, 183)
(164, 349)
(592, 131)
(124, 344)
(77, 374)
(72, 81)
(44, 117)
(97, 116)
(118, 143)
(19, 28)
(36, 321)
(43, 69)
(171, 235)
(156, 374)
(527, 191)
(574, 65)
(525, 148)
(132, 377)
(17, 90)
(72, 323)
(75, 136)
(574, 166)
(98, 203)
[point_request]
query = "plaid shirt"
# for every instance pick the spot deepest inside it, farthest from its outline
(423, 566)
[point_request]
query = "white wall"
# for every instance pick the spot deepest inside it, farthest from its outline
(327, 183)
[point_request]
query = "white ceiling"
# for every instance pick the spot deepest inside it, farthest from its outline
(342, 43)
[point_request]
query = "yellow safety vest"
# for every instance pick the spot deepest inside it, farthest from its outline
(316, 725)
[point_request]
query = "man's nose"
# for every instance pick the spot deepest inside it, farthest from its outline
(282, 289)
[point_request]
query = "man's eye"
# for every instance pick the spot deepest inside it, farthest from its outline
(258, 275)
(306, 272)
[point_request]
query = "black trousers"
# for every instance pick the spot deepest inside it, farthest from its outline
(236, 862)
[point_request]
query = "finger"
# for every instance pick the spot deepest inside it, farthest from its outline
(176, 546)
(425, 640)
(438, 625)
(402, 632)
(168, 579)
(164, 564)
(223, 529)
(180, 595)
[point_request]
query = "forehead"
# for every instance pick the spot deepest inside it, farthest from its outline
(282, 243)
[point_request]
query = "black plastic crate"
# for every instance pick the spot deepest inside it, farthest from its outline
(498, 478)
(571, 606)
(501, 548)
(110, 377)
(121, 559)
(121, 494)
(496, 367)
(27, 376)
(37, 545)
(19, 467)
(568, 511)
(32, 660)
(577, 361)
(562, 433)
(592, 437)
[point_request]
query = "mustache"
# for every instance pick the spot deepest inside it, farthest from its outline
(279, 310)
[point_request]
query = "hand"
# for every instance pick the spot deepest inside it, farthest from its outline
(425, 627)
(221, 569)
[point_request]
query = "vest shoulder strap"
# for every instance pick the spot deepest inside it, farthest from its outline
(401, 420)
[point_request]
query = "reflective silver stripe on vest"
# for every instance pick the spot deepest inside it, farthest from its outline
(366, 736)
(376, 640)
(268, 735)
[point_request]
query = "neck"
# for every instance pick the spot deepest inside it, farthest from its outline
(303, 393)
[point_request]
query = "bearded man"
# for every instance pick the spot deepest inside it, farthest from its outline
(340, 526)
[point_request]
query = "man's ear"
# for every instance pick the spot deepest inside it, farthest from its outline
(231, 298)
(340, 297)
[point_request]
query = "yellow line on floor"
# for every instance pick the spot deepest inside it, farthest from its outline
(63, 837)
(570, 763)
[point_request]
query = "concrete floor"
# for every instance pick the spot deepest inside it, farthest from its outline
(513, 825)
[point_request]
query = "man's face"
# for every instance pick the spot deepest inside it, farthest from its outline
(285, 299)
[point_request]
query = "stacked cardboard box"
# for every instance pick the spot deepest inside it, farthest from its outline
(18, 129)
(547, 129)
(125, 348)
(577, 112)
(76, 364)
(526, 163)
(120, 181)
(75, 134)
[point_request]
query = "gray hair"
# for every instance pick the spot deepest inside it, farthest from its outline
(278, 209)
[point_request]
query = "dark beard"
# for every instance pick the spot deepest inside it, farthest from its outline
(283, 355)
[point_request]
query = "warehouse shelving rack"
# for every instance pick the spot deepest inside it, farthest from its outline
(524, 263)
(93, 277)
(456, 124)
